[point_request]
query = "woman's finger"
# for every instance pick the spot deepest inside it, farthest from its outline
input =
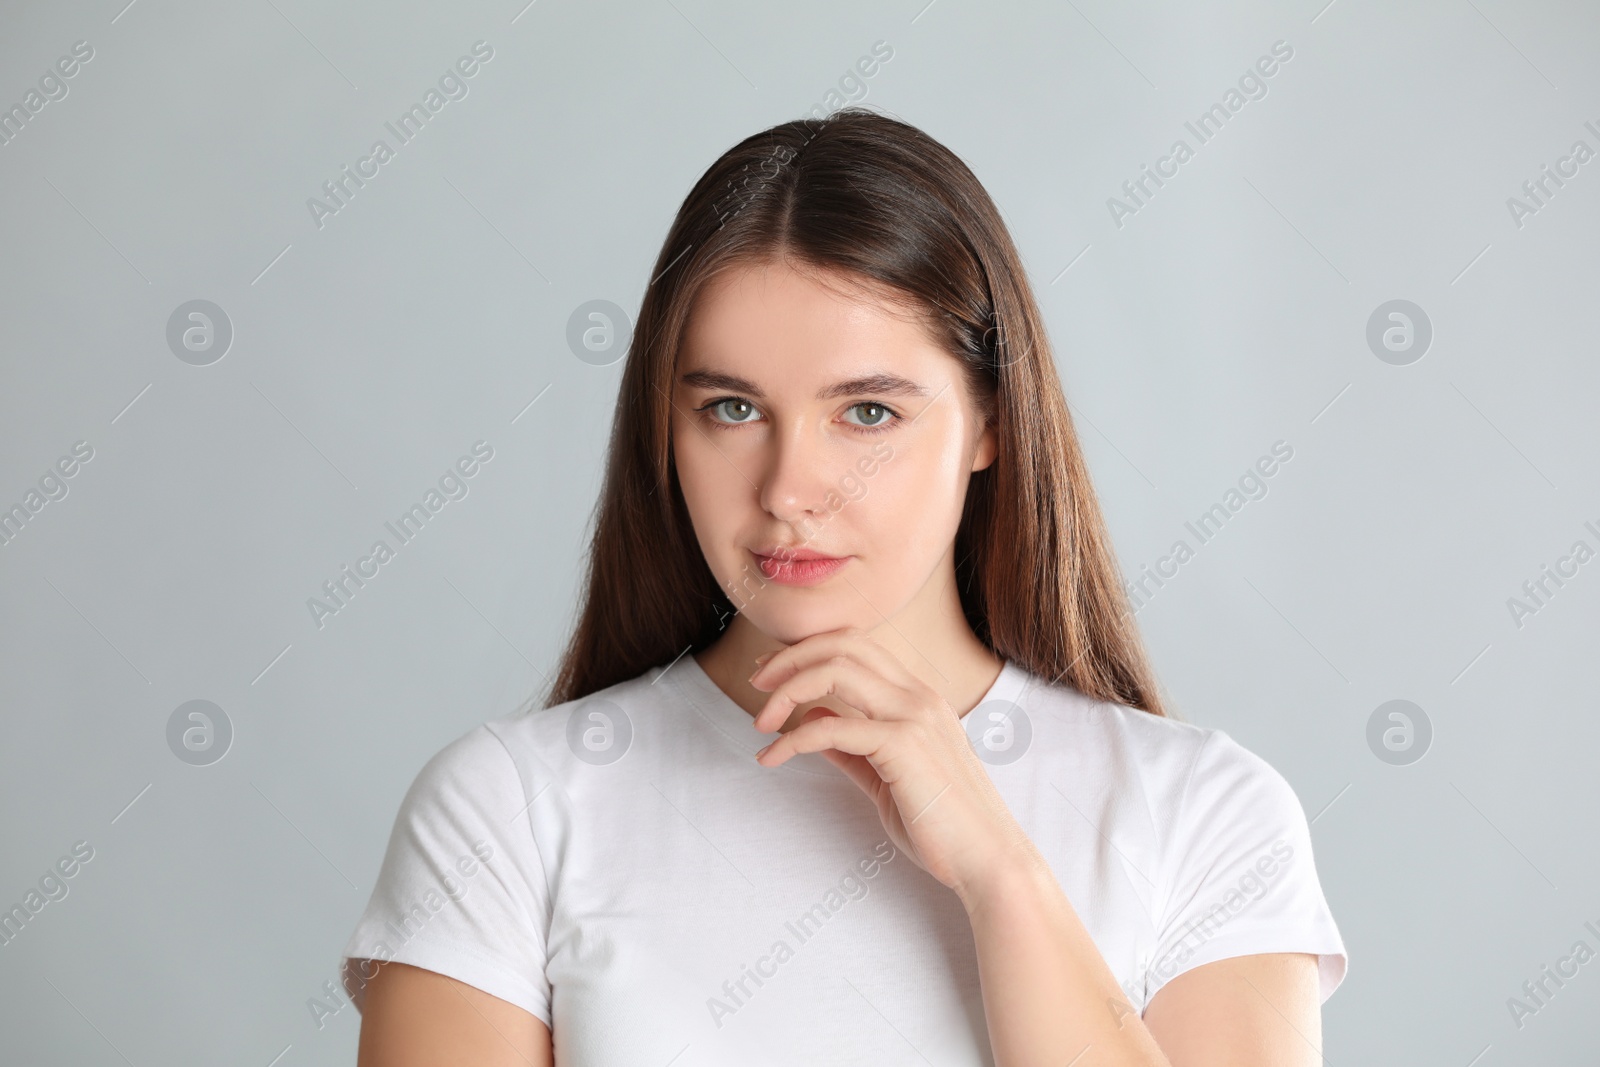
(855, 736)
(865, 692)
(851, 641)
(873, 740)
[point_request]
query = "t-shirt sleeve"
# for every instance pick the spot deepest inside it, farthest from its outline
(1241, 874)
(461, 891)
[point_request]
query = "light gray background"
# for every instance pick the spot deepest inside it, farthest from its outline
(1227, 314)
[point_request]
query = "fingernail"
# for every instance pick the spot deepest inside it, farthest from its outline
(761, 660)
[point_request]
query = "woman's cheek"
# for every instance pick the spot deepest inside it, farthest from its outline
(700, 498)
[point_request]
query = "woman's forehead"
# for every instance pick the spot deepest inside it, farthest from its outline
(783, 283)
(773, 319)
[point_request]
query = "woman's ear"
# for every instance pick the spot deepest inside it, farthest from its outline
(988, 448)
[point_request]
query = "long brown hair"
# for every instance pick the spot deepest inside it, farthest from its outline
(878, 201)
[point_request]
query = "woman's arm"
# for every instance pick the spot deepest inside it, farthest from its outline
(1050, 998)
(1246, 1009)
(417, 1018)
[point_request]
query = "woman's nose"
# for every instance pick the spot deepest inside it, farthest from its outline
(795, 482)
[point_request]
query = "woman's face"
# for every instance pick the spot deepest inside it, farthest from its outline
(813, 423)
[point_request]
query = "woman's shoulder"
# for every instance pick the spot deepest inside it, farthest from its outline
(1087, 722)
(1190, 765)
(495, 748)
(485, 777)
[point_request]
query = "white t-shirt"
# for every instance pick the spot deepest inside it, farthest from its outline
(621, 867)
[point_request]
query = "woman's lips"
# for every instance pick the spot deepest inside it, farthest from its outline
(799, 571)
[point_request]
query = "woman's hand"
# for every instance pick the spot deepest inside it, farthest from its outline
(903, 745)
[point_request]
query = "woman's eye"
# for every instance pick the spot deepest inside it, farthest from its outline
(873, 415)
(736, 409)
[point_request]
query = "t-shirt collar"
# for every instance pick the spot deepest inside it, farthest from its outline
(697, 689)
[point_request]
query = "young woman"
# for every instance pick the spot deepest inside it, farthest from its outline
(854, 756)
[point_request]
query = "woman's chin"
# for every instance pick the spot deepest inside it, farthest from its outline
(791, 626)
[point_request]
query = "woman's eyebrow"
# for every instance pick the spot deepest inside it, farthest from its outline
(874, 384)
